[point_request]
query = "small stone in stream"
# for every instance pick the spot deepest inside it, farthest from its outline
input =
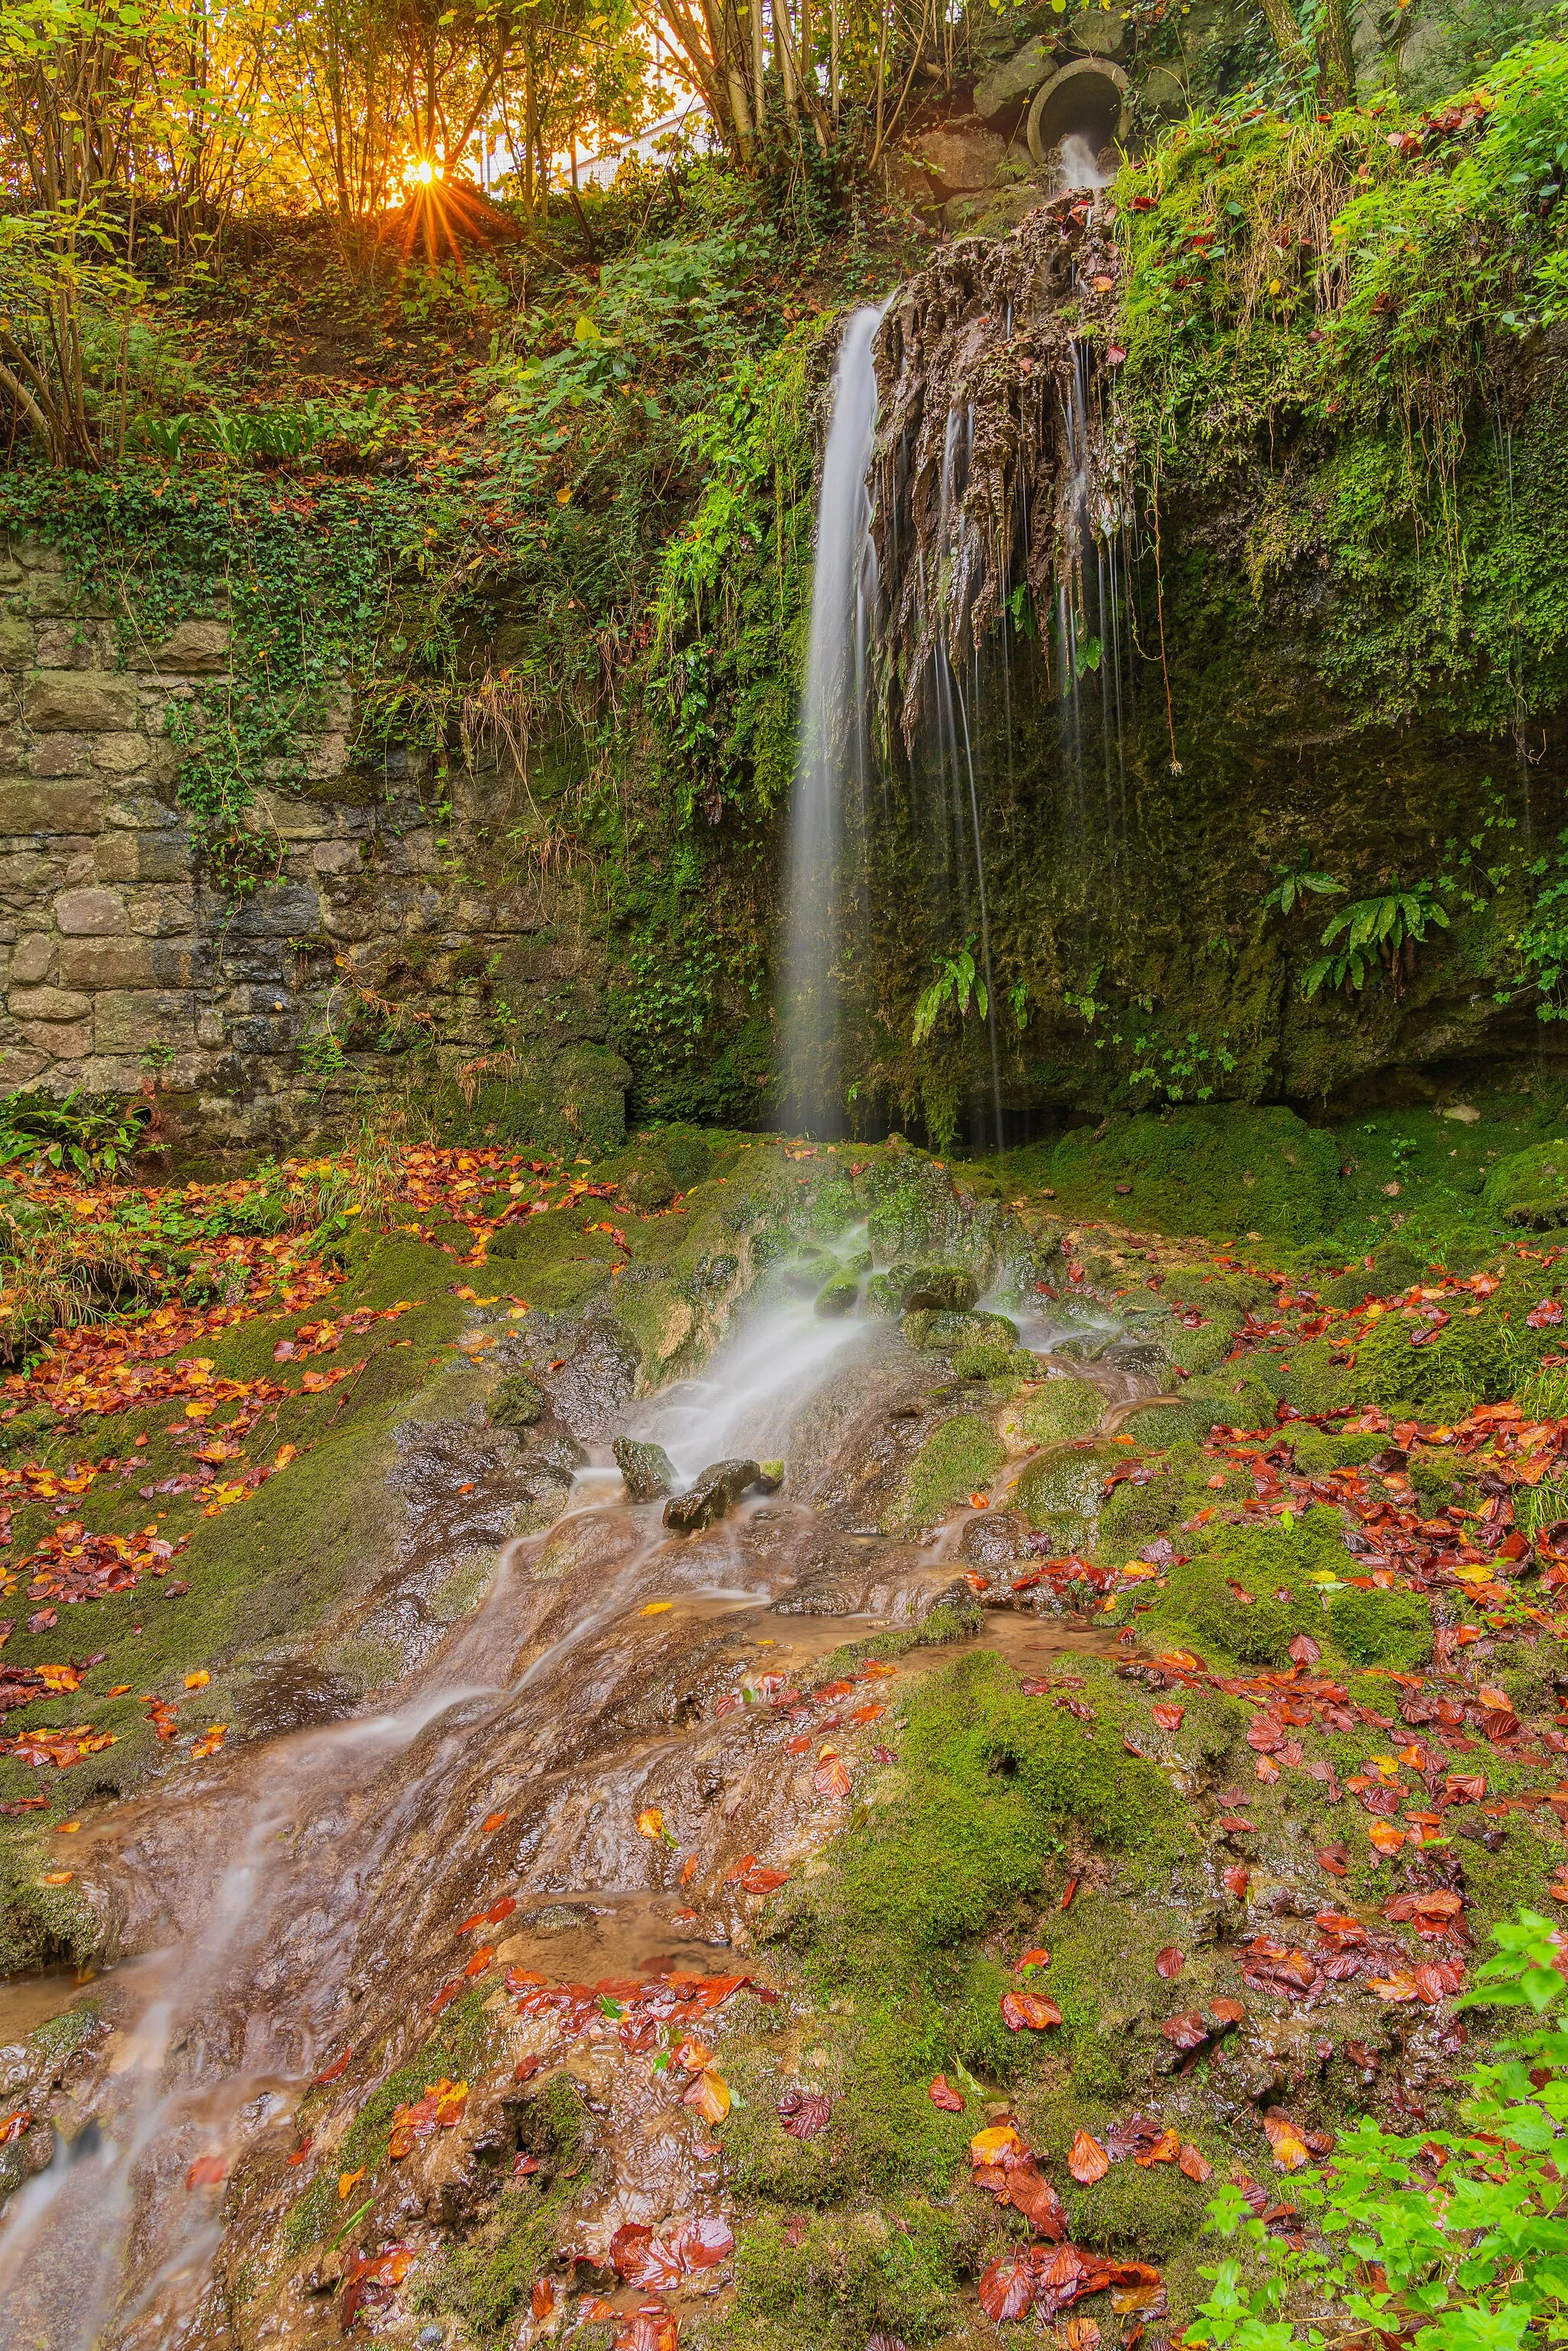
(649, 1472)
(514, 1403)
(715, 1493)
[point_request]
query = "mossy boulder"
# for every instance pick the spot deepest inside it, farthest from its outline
(838, 1294)
(647, 1469)
(957, 1459)
(1530, 1187)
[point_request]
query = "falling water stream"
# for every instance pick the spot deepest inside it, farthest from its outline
(832, 754)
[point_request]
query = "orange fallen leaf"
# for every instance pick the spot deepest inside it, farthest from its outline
(990, 2145)
(651, 1823)
(1167, 2149)
(348, 2180)
(198, 1680)
(211, 1740)
(57, 1877)
(1196, 2166)
(207, 2170)
(942, 2093)
(66, 1828)
(1087, 2160)
(1289, 2148)
(492, 1822)
(1385, 1836)
(709, 2093)
(542, 2300)
(1028, 2011)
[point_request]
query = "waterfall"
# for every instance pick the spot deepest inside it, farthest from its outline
(832, 744)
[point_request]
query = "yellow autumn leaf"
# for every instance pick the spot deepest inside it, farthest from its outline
(651, 1823)
(987, 2145)
(655, 1608)
(198, 1680)
(347, 2181)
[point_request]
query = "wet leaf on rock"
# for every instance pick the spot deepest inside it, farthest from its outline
(709, 2093)
(207, 2171)
(942, 2093)
(1169, 1962)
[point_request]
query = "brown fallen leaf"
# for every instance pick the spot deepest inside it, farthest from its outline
(1087, 2160)
(804, 2113)
(1081, 2334)
(1194, 2164)
(1169, 1717)
(1227, 2011)
(1188, 2031)
(831, 1779)
(1169, 1962)
(942, 2093)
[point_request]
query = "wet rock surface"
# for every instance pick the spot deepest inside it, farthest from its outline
(649, 1472)
(715, 1491)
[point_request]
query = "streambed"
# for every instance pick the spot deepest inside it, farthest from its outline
(299, 1901)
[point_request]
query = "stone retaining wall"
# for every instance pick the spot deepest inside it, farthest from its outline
(125, 968)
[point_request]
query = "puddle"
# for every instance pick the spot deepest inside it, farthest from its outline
(26, 2002)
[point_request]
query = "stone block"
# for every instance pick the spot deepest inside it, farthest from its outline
(36, 1004)
(162, 911)
(197, 649)
(60, 755)
(20, 1064)
(31, 958)
(73, 644)
(43, 808)
(140, 811)
(288, 912)
(36, 555)
(960, 156)
(66, 702)
(336, 857)
(126, 963)
(327, 757)
(119, 755)
(16, 645)
(51, 596)
(90, 914)
(127, 1021)
(294, 820)
(162, 856)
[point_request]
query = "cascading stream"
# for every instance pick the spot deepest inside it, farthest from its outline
(832, 754)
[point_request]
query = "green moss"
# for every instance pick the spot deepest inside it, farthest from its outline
(1059, 1410)
(852, 2275)
(1227, 1598)
(989, 1781)
(486, 2277)
(1220, 1169)
(1382, 1628)
(961, 1456)
(1476, 1358)
(1530, 1187)
(516, 1402)
(452, 2054)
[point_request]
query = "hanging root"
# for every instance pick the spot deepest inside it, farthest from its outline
(977, 364)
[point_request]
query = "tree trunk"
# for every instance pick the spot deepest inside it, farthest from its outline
(1336, 57)
(1294, 54)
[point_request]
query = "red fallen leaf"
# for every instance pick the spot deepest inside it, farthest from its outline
(1030, 2193)
(1169, 1717)
(1305, 1650)
(831, 1780)
(942, 2093)
(499, 1910)
(1546, 1313)
(542, 2302)
(1037, 1957)
(599, 2312)
(1237, 1880)
(1188, 2031)
(492, 1822)
(798, 1745)
(1332, 1859)
(1006, 2289)
(1169, 1962)
(1068, 1891)
(651, 2327)
(480, 1960)
(339, 2066)
(703, 2243)
(207, 2170)
(1166, 2149)
(300, 2152)
(1194, 2164)
(1087, 2160)
(525, 2165)
(1082, 2334)
(1464, 1787)
(1028, 2011)
(445, 1996)
(760, 1880)
(1227, 2011)
(804, 2113)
